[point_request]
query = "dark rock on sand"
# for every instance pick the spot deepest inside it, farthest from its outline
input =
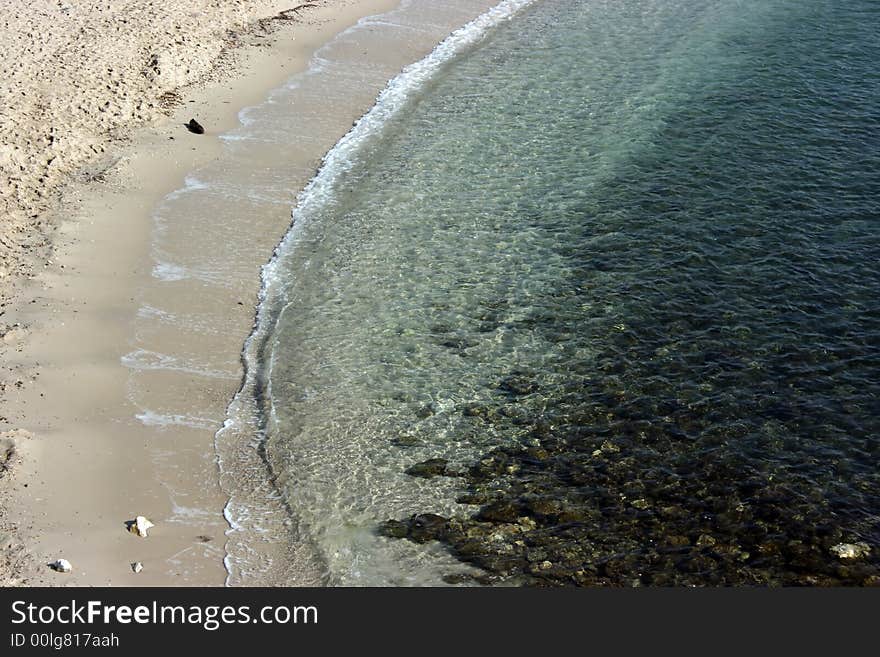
(7, 454)
(195, 127)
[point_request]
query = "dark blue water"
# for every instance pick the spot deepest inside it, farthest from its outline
(600, 305)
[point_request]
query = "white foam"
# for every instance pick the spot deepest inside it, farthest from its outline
(169, 272)
(401, 26)
(235, 522)
(147, 311)
(144, 359)
(190, 184)
(187, 514)
(163, 420)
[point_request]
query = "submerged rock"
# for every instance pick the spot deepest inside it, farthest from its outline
(405, 441)
(428, 469)
(419, 528)
(426, 411)
(501, 511)
(519, 384)
(394, 529)
(426, 527)
(851, 550)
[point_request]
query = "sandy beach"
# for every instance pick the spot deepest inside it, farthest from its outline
(105, 415)
(404, 293)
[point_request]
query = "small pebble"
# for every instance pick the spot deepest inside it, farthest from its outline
(61, 566)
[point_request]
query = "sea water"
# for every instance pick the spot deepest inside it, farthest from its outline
(612, 269)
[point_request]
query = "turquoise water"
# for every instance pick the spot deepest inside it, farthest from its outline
(616, 264)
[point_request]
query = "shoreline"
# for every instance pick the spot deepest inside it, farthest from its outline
(84, 463)
(253, 411)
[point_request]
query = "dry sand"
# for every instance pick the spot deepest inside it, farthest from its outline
(91, 141)
(79, 75)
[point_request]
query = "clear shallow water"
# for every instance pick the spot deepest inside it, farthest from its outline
(617, 265)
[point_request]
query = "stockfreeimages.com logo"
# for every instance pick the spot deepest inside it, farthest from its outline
(209, 617)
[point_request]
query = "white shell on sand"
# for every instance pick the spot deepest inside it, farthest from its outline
(851, 550)
(139, 526)
(137, 566)
(61, 566)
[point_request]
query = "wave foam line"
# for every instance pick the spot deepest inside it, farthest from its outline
(339, 160)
